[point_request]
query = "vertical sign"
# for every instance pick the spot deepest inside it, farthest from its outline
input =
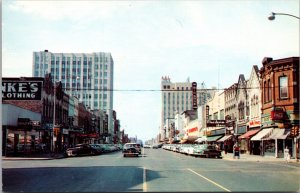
(207, 113)
(194, 94)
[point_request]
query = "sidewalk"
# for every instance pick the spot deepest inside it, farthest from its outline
(256, 158)
(48, 156)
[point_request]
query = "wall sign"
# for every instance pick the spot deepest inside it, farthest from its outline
(194, 94)
(22, 88)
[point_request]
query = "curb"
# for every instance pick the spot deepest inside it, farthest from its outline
(32, 158)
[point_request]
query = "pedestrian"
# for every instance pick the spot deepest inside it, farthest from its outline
(287, 155)
(225, 148)
(217, 147)
(236, 149)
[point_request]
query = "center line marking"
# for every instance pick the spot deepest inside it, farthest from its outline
(209, 180)
(144, 180)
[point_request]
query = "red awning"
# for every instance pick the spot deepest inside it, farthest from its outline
(249, 134)
(91, 135)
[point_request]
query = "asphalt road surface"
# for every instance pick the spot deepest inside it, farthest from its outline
(156, 170)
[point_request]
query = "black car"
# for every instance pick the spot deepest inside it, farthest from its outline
(82, 149)
(131, 149)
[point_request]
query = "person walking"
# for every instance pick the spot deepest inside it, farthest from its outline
(287, 155)
(225, 148)
(236, 153)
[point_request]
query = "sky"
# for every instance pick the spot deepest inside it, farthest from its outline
(206, 41)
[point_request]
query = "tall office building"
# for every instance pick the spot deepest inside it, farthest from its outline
(177, 98)
(88, 76)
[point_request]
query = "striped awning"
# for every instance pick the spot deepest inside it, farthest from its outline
(261, 134)
(224, 138)
(278, 134)
(249, 134)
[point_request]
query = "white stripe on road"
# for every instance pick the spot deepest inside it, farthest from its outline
(209, 180)
(144, 180)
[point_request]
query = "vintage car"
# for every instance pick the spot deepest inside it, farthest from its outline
(131, 149)
(82, 149)
(206, 150)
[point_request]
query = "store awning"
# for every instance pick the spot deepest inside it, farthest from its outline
(261, 134)
(213, 138)
(279, 134)
(201, 139)
(249, 134)
(224, 138)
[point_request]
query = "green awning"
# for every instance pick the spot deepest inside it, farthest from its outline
(214, 138)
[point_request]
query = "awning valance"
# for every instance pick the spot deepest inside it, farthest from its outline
(249, 134)
(225, 137)
(278, 134)
(261, 134)
(214, 138)
(201, 139)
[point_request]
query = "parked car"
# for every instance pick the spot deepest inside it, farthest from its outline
(206, 150)
(131, 149)
(147, 146)
(154, 146)
(82, 149)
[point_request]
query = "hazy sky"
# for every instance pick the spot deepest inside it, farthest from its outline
(208, 41)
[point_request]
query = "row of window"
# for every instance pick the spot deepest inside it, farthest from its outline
(96, 58)
(178, 88)
(283, 89)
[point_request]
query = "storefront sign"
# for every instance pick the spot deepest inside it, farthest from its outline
(207, 113)
(192, 130)
(254, 123)
(194, 94)
(216, 123)
(22, 89)
(218, 131)
(277, 115)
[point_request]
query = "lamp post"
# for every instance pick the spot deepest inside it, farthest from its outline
(53, 127)
(272, 15)
(54, 121)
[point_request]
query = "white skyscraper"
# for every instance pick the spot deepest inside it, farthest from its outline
(176, 98)
(89, 76)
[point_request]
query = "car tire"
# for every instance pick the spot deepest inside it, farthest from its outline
(124, 155)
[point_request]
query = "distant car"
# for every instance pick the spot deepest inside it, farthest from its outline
(206, 150)
(155, 146)
(147, 146)
(131, 149)
(82, 149)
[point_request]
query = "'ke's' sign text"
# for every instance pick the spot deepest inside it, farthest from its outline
(16, 89)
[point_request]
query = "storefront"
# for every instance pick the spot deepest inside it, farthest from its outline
(258, 143)
(226, 142)
(21, 131)
(244, 141)
(276, 142)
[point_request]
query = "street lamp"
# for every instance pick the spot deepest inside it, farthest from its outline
(272, 15)
(54, 115)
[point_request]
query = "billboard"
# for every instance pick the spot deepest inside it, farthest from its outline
(22, 88)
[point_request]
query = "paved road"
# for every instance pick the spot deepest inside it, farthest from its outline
(156, 170)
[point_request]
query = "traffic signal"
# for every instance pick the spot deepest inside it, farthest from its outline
(294, 131)
(56, 131)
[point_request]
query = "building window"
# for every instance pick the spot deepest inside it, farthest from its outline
(269, 91)
(283, 87)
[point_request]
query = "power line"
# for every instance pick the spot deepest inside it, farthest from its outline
(166, 90)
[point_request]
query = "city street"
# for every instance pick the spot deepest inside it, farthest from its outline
(155, 170)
